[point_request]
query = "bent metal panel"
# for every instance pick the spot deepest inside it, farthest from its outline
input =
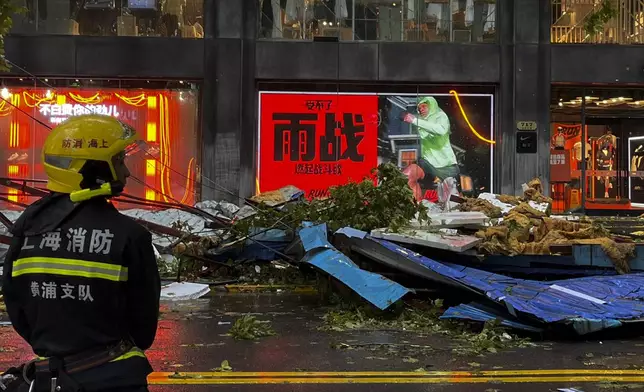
(318, 140)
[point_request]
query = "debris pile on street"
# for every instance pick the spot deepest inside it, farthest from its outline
(373, 243)
(524, 227)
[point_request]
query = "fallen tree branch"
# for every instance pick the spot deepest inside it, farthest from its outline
(5, 221)
(10, 183)
(5, 239)
(160, 229)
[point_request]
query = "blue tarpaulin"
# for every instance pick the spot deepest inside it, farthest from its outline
(375, 288)
(264, 244)
(478, 312)
(589, 304)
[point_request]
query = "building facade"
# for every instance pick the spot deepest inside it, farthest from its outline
(248, 95)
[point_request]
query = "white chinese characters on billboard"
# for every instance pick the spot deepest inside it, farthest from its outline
(57, 113)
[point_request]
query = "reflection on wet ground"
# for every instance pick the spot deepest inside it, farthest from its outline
(192, 337)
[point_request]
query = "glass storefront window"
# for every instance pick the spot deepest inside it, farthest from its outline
(566, 150)
(613, 131)
(597, 22)
(167, 119)
(380, 20)
(144, 18)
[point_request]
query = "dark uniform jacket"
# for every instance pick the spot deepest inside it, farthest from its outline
(80, 277)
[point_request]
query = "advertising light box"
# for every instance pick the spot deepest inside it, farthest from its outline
(165, 119)
(317, 140)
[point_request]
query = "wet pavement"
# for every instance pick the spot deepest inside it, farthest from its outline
(192, 339)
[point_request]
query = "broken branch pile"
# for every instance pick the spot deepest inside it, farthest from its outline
(525, 230)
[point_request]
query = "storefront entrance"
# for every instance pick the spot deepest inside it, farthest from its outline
(611, 173)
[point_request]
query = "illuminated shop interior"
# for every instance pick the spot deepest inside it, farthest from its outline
(143, 18)
(597, 144)
(383, 20)
(164, 114)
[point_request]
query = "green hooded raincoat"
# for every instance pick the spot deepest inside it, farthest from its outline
(434, 131)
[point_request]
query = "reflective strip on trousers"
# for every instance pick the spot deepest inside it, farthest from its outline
(69, 267)
(134, 352)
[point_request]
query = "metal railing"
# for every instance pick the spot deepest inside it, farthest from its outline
(626, 28)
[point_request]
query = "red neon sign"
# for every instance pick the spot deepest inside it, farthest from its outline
(155, 114)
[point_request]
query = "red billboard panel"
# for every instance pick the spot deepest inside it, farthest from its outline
(315, 141)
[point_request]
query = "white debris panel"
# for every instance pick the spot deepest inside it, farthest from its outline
(506, 207)
(183, 291)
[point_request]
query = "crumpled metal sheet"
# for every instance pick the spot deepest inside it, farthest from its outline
(12, 216)
(167, 218)
(588, 304)
(218, 208)
(375, 288)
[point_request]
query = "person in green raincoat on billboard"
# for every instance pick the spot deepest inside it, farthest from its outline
(437, 158)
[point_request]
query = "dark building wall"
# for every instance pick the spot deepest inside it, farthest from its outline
(524, 90)
(598, 64)
(378, 62)
(124, 57)
(229, 100)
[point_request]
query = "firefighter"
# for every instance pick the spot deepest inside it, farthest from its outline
(81, 284)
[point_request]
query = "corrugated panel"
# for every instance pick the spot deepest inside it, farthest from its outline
(375, 288)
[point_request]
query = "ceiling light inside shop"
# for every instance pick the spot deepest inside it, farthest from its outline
(560, 103)
(614, 101)
(636, 104)
(573, 102)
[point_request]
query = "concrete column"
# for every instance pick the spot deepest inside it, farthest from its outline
(525, 89)
(228, 105)
(505, 151)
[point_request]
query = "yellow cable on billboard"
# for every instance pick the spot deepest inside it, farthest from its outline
(474, 131)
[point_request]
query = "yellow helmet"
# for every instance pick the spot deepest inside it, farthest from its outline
(88, 138)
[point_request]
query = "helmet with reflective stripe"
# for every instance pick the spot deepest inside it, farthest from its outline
(80, 142)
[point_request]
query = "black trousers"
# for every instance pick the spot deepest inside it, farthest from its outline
(441, 172)
(25, 388)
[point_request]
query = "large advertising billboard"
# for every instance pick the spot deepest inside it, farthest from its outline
(317, 140)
